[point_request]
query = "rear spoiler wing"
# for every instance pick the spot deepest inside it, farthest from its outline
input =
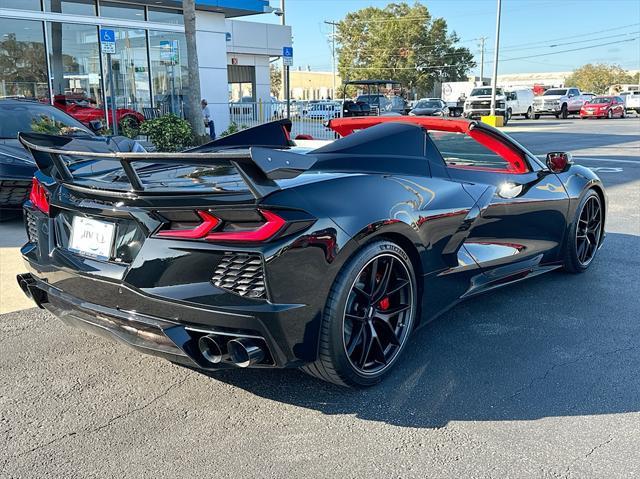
(259, 167)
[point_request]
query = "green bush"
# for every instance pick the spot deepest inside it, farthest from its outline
(168, 133)
(129, 127)
(233, 128)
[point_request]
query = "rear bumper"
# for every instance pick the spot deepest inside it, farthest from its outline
(173, 339)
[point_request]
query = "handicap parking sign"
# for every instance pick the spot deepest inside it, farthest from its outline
(107, 41)
(287, 55)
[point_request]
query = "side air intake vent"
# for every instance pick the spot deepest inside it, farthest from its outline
(242, 274)
(32, 227)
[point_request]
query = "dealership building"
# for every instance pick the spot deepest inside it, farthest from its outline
(50, 51)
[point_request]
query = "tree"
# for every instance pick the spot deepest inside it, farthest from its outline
(598, 77)
(402, 43)
(276, 80)
(193, 110)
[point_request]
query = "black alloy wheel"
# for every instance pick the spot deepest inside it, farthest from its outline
(377, 314)
(368, 317)
(589, 230)
(585, 234)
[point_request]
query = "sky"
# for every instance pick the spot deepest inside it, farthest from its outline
(595, 31)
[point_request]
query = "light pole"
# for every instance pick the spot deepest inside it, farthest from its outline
(285, 68)
(482, 39)
(494, 80)
(333, 54)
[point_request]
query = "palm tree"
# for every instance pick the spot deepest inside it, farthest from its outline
(193, 110)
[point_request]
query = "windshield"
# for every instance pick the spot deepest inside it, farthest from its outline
(34, 117)
(602, 99)
(556, 91)
(428, 104)
(369, 98)
(485, 91)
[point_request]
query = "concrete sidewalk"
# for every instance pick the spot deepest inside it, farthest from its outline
(12, 236)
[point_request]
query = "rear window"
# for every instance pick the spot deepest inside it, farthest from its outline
(34, 117)
(459, 150)
(555, 91)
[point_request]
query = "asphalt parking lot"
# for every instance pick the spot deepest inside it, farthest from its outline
(539, 379)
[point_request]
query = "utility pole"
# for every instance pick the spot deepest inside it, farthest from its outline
(333, 53)
(494, 80)
(482, 39)
(285, 68)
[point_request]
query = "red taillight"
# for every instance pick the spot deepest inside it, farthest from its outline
(209, 222)
(38, 196)
(265, 231)
(273, 224)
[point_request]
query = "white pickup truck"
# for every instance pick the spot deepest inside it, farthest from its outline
(631, 101)
(560, 102)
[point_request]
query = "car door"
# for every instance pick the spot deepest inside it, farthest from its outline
(522, 215)
(575, 99)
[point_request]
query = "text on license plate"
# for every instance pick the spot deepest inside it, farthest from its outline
(91, 237)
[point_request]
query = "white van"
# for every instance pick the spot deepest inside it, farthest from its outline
(520, 102)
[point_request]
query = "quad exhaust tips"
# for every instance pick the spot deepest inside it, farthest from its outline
(244, 352)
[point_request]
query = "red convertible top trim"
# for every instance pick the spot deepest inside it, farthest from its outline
(515, 161)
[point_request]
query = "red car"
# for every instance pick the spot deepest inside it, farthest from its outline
(85, 110)
(603, 106)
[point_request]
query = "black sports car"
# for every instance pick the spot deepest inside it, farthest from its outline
(255, 251)
(16, 165)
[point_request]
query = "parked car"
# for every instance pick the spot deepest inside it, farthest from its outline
(479, 103)
(603, 107)
(631, 101)
(85, 110)
(560, 102)
(324, 258)
(519, 102)
(324, 110)
(16, 165)
(430, 107)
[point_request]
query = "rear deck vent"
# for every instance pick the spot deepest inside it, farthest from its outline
(242, 274)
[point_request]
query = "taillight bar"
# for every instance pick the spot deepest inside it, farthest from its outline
(206, 229)
(209, 222)
(39, 196)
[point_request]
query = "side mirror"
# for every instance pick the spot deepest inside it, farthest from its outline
(95, 125)
(559, 161)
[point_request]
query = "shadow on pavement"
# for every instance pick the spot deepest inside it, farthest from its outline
(12, 233)
(556, 345)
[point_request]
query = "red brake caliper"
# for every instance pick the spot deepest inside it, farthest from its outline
(384, 304)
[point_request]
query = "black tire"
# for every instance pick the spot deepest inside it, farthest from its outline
(574, 260)
(335, 364)
(507, 117)
(536, 116)
(564, 112)
(527, 115)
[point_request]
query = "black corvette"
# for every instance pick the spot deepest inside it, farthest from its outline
(255, 251)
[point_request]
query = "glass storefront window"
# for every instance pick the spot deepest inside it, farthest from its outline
(121, 10)
(21, 4)
(23, 66)
(71, 7)
(130, 69)
(168, 53)
(165, 15)
(75, 70)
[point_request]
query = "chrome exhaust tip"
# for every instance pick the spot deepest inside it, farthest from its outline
(244, 352)
(210, 349)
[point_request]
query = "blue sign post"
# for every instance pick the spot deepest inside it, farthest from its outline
(287, 56)
(108, 46)
(287, 61)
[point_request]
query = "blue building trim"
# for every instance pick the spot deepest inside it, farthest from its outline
(234, 8)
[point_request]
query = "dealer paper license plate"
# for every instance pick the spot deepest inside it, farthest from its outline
(91, 237)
